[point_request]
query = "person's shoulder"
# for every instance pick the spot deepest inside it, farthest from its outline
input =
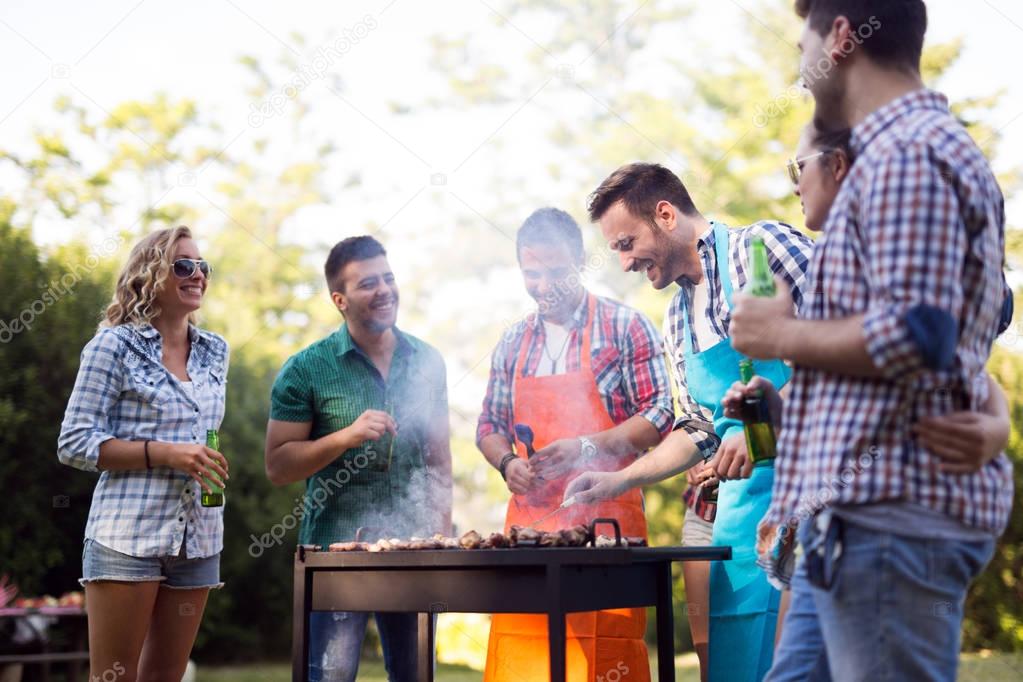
(777, 230)
(217, 343)
(623, 312)
(312, 354)
(428, 352)
(111, 341)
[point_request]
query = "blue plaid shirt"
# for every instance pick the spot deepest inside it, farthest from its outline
(123, 391)
(788, 253)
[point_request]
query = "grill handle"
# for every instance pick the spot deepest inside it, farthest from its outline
(605, 521)
(302, 549)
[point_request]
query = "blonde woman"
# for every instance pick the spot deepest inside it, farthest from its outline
(149, 385)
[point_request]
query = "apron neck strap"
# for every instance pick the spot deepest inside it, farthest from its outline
(721, 260)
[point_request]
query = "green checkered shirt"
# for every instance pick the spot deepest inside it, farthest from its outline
(377, 485)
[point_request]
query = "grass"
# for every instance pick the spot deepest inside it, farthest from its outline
(979, 667)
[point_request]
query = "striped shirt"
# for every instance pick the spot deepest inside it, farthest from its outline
(123, 391)
(788, 252)
(915, 242)
(625, 355)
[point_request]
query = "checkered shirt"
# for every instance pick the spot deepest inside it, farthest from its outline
(917, 226)
(123, 391)
(788, 253)
(626, 356)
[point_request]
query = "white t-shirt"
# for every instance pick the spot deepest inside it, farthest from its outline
(556, 349)
(703, 336)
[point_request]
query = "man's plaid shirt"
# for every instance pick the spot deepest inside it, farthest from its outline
(914, 242)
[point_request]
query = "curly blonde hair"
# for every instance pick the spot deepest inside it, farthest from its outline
(142, 278)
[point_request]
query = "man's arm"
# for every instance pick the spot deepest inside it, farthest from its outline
(675, 454)
(915, 245)
(291, 456)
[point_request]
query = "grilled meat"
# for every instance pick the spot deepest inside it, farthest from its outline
(470, 540)
(348, 546)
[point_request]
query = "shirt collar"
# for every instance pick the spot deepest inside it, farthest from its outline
(879, 120)
(704, 247)
(149, 332)
(344, 343)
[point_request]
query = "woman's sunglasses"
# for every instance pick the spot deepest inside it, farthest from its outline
(796, 166)
(184, 268)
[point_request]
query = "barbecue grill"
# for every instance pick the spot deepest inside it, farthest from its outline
(544, 580)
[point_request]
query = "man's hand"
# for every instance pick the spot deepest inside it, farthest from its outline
(731, 460)
(371, 425)
(701, 473)
(765, 538)
(597, 486)
(557, 459)
(759, 323)
(519, 476)
(739, 391)
(964, 441)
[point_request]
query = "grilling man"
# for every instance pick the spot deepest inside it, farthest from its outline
(587, 376)
(648, 217)
(362, 416)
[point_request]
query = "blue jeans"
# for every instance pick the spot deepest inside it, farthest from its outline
(894, 609)
(335, 642)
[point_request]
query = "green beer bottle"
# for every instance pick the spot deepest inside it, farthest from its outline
(761, 281)
(756, 420)
(215, 498)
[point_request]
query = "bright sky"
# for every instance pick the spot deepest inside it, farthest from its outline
(105, 52)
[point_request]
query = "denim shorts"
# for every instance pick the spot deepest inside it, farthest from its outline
(99, 562)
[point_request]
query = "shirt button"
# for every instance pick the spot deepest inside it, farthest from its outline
(181, 518)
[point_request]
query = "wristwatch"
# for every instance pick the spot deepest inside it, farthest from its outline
(588, 449)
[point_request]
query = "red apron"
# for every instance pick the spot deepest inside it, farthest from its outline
(598, 642)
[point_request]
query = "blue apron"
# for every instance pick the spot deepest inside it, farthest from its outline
(743, 606)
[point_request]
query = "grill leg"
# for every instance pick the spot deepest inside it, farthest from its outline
(665, 625)
(555, 624)
(426, 647)
(300, 626)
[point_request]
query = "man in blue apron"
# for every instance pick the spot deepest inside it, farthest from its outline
(648, 217)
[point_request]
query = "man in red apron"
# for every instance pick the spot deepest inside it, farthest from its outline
(588, 377)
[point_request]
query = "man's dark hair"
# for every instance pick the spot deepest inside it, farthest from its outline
(640, 186)
(891, 31)
(551, 226)
(834, 140)
(346, 251)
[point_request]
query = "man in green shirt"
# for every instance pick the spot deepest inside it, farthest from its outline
(362, 416)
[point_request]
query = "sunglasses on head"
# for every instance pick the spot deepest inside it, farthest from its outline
(184, 268)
